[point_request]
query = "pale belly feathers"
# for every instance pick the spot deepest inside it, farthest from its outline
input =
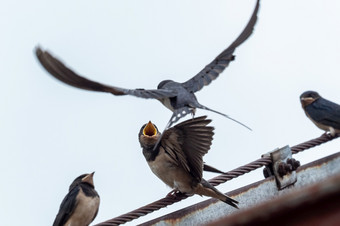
(171, 174)
(85, 210)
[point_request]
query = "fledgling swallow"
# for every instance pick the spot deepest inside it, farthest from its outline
(323, 113)
(80, 206)
(178, 97)
(178, 159)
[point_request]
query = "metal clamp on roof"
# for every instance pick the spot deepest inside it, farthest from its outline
(283, 167)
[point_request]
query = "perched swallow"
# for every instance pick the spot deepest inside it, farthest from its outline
(178, 97)
(80, 205)
(323, 113)
(177, 161)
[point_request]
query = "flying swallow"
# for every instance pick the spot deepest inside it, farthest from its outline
(178, 97)
(177, 161)
(323, 113)
(80, 205)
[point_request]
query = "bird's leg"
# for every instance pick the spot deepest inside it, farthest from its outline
(174, 193)
(193, 112)
(327, 133)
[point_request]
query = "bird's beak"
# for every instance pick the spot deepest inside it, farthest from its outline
(150, 130)
(307, 100)
(88, 178)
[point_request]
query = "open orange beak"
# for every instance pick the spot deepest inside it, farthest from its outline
(150, 130)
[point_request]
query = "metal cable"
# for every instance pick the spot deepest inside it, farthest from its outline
(172, 198)
(312, 143)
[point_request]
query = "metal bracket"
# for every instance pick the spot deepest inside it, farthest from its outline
(283, 167)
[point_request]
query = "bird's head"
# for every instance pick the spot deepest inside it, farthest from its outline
(163, 83)
(84, 178)
(308, 97)
(148, 135)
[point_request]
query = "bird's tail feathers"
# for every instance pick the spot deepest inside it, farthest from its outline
(206, 108)
(177, 115)
(211, 169)
(208, 190)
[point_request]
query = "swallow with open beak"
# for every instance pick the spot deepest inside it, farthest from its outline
(177, 161)
(323, 113)
(178, 97)
(80, 206)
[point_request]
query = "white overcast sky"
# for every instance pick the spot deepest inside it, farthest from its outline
(51, 133)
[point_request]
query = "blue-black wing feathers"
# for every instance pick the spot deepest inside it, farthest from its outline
(217, 66)
(61, 72)
(325, 112)
(67, 207)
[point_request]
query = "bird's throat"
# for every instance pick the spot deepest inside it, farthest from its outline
(150, 154)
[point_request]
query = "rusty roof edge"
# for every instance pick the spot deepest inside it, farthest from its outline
(291, 207)
(243, 193)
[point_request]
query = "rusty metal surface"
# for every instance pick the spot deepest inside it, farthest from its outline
(251, 195)
(316, 204)
(170, 199)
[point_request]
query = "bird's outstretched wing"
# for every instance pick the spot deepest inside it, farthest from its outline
(66, 207)
(58, 70)
(217, 66)
(325, 112)
(187, 142)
